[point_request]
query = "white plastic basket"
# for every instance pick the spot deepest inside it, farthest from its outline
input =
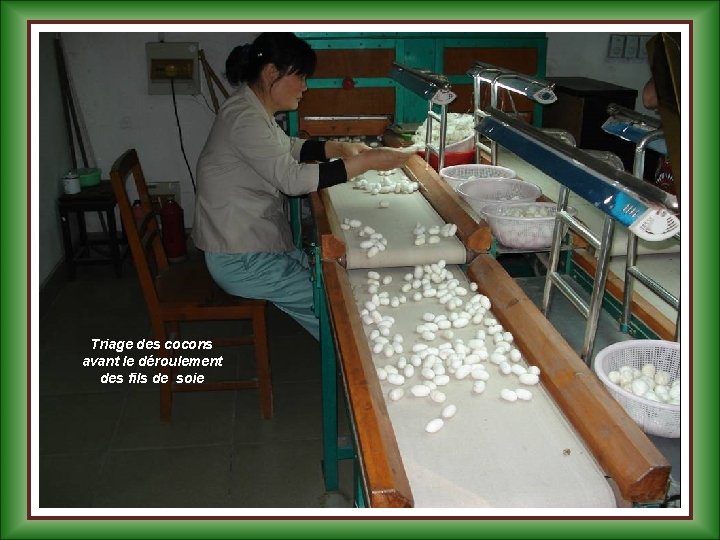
(655, 418)
(523, 225)
(463, 145)
(487, 192)
(459, 133)
(455, 175)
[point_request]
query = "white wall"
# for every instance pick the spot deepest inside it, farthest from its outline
(108, 73)
(54, 160)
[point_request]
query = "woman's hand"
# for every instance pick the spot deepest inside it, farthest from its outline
(336, 149)
(379, 159)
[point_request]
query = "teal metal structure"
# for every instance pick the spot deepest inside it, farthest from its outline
(423, 51)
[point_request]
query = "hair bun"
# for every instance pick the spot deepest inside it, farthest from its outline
(245, 59)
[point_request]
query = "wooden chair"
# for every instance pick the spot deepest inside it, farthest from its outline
(184, 292)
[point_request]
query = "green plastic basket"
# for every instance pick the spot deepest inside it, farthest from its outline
(88, 177)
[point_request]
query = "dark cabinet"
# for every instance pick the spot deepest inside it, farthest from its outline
(581, 109)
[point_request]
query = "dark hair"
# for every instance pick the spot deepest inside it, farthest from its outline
(289, 53)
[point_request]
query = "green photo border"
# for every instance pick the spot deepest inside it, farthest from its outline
(702, 308)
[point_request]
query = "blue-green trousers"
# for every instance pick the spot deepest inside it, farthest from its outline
(280, 278)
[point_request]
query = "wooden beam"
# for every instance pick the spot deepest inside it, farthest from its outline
(382, 467)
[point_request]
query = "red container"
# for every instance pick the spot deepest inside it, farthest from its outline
(451, 158)
(172, 218)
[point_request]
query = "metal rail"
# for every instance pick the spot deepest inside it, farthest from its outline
(436, 89)
(533, 89)
(632, 271)
(620, 195)
(617, 193)
(590, 311)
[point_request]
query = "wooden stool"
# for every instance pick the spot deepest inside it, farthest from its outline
(101, 199)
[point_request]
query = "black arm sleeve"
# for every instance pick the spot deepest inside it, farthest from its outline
(331, 173)
(312, 150)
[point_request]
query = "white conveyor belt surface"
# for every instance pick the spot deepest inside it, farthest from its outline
(395, 223)
(492, 453)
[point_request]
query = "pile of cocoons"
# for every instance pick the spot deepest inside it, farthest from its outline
(647, 382)
(460, 128)
(422, 366)
(392, 181)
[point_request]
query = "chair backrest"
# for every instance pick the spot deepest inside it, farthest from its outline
(140, 224)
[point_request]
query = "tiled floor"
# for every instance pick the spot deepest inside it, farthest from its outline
(104, 445)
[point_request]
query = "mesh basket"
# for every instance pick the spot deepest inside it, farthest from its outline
(481, 194)
(523, 225)
(456, 175)
(655, 418)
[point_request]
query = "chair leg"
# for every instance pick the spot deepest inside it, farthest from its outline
(166, 388)
(262, 361)
(174, 331)
(166, 395)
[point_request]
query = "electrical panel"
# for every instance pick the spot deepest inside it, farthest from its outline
(173, 66)
(628, 47)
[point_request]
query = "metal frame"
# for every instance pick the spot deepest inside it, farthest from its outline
(333, 451)
(630, 132)
(437, 91)
(590, 311)
(512, 81)
(645, 131)
(623, 197)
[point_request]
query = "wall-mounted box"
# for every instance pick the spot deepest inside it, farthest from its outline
(172, 64)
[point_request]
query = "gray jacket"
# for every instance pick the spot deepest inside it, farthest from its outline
(247, 167)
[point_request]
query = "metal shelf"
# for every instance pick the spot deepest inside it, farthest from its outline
(646, 132)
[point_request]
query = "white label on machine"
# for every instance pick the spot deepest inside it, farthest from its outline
(656, 224)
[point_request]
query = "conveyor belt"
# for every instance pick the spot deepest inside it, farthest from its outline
(395, 222)
(508, 451)
(492, 453)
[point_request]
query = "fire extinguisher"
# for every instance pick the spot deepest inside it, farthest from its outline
(172, 219)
